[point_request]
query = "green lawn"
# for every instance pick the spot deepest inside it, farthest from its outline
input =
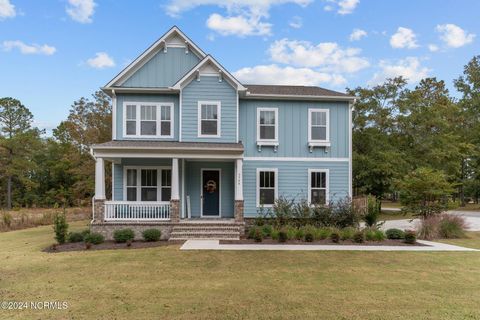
(165, 283)
(473, 240)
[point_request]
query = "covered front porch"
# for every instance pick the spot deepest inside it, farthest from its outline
(169, 182)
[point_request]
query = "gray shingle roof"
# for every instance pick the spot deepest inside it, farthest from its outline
(168, 145)
(292, 90)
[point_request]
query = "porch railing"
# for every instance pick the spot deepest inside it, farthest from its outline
(133, 210)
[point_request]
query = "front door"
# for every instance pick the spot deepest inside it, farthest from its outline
(210, 193)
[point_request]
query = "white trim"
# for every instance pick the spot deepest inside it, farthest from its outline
(327, 119)
(350, 147)
(114, 115)
(180, 119)
(312, 159)
(219, 192)
(238, 117)
(257, 186)
(139, 181)
(218, 104)
(239, 179)
(175, 177)
(113, 181)
(158, 105)
(214, 154)
(249, 95)
(327, 184)
(183, 188)
(267, 141)
(99, 178)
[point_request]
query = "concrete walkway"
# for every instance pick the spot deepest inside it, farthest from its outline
(215, 245)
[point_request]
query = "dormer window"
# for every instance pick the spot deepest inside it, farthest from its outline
(153, 120)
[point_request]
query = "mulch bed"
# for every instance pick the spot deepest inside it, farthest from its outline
(109, 245)
(386, 242)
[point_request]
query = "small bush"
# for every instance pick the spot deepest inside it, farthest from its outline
(359, 237)
(429, 228)
(451, 227)
(258, 236)
(60, 227)
(369, 234)
(291, 233)
(282, 236)
(85, 232)
(410, 237)
(347, 233)
(323, 233)
(395, 234)
(94, 238)
(267, 230)
(123, 235)
(274, 234)
(7, 219)
(299, 234)
(75, 237)
(309, 237)
(252, 231)
(335, 236)
(372, 212)
(378, 235)
(151, 235)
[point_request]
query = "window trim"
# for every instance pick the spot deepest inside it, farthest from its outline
(325, 142)
(275, 170)
(327, 184)
(139, 182)
(199, 119)
(158, 121)
(267, 141)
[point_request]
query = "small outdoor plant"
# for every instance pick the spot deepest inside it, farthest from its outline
(370, 234)
(378, 235)
(267, 230)
(395, 234)
(372, 212)
(123, 235)
(275, 234)
(347, 233)
(323, 233)
(299, 234)
(451, 227)
(258, 235)
(94, 238)
(60, 227)
(151, 235)
(359, 237)
(335, 236)
(75, 237)
(410, 237)
(309, 237)
(282, 236)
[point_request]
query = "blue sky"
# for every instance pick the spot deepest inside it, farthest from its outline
(53, 52)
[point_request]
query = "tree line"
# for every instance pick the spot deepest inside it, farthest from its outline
(396, 131)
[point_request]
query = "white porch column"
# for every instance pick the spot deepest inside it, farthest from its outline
(175, 180)
(239, 179)
(99, 179)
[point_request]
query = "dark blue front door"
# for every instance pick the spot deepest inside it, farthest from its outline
(211, 192)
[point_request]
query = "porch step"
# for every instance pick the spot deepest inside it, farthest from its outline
(186, 231)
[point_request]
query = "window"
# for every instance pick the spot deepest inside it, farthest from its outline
(318, 186)
(209, 118)
(318, 128)
(267, 127)
(266, 187)
(148, 119)
(147, 184)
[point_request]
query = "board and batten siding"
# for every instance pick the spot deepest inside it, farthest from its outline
(209, 88)
(293, 180)
(293, 129)
(154, 98)
(163, 70)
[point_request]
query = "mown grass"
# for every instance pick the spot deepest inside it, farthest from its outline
(472, 240)
(166, 283)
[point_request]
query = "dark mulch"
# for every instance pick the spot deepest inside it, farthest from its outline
(109, 245)
(386, 242)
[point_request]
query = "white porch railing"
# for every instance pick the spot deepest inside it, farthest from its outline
(133, 210)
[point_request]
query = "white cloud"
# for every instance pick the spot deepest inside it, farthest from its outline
(357, 34)
(409, 68)
(433, 47)
(454, 36)
(102, 60)
(296, 22)
(238, 25)
(347, 6)
(274, 74)
(243, 18)
(7, 10)
(81, 10)
(28, 49)
(328, 56)
(404, 38)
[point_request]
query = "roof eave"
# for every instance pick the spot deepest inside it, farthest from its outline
(249, 95)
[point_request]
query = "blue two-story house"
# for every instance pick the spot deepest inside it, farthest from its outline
(194, 152)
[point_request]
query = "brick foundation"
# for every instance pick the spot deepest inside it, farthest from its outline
(175, 211)
(107, 229)
(99, 210)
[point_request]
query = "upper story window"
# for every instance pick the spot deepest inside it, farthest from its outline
(318, 125)
(318, 186)
(209, 119)
(148, 119)
(267, 187)
(267, 124)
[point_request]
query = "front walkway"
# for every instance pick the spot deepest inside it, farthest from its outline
(215, 245)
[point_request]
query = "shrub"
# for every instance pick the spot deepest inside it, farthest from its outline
(94, 238)
(75, 237)
(299, 234)
(347, 233)
(338, 214)
(274, 234)
(282, 236)
(283, 211)
(291, 233)
(60, 226)
(369, 234)
(323, 233)
(7, 219)
(302, 213)
(451, 227)
(359, 236)
(123, 235)
(428, 228)
(267, 230)
(258, 236)
(309, 237)
(410, 237)
(378, 235)
(85, 232)
(335, 236)
(252, 231)
(151, 235)
(395, 234)
(372, 212)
